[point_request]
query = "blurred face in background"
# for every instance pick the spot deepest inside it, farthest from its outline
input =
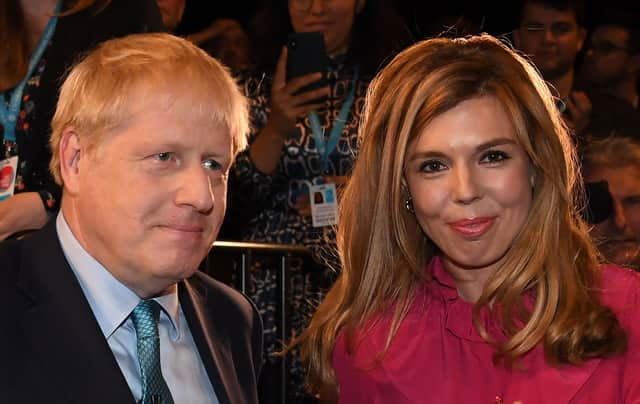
(232, 46)
(607, 61)
(171, 12)
(334, 18)
(551, 38)
(618, 237)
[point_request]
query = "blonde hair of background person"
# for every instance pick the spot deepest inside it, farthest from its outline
(93, 108)
(384, 251)
(19, 37)
(613, 151)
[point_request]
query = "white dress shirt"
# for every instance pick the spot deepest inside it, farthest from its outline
(112, 302)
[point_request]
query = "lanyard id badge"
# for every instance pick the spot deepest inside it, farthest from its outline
(8, 170)
(324, 208)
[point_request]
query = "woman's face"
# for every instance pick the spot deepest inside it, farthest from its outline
(334, 18)
(471, 183)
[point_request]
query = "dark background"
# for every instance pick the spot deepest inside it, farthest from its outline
(494, 17)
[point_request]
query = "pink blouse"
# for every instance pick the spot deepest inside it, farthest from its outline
(437, 356)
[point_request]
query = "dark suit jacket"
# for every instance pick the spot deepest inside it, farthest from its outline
(53, 351)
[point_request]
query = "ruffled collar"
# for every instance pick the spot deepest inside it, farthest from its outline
(458, 314)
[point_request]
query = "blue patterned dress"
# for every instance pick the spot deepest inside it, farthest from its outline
(32, 176)
(272, 198)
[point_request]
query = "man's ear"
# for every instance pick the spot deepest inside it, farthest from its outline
(515, 38)
(360, 5)
(70, 152)
(582, 36)
(634, 64)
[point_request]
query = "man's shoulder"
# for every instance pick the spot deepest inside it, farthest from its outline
(222, 298)
(35, 248)
(10, 252)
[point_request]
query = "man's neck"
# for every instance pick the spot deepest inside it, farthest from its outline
(563, 84)
(626, 90)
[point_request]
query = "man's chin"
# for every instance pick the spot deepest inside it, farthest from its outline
(623, 253)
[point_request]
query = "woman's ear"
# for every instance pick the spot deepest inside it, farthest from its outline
(360, 5)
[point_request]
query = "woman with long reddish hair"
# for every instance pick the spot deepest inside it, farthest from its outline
(468, 274)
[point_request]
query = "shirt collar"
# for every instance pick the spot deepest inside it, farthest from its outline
(171, 307)
(109, 299)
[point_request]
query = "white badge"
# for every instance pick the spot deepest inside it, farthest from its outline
(324, 208)
(8, 169)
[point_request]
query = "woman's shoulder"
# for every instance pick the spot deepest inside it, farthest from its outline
(616, 276)
(620, 288)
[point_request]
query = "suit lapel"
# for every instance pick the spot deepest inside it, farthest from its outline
(60, 329)
(214, 348)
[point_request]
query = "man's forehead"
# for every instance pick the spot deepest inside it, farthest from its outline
(534, 12)
(611, 32)
(624, 176)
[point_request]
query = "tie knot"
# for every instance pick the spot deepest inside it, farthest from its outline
(145, 318)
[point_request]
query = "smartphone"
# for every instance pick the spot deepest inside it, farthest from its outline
(306, 54)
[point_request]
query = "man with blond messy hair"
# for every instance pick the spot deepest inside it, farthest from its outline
(105, 304)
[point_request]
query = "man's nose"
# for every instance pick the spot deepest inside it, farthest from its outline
(196, 189)
(619, 218)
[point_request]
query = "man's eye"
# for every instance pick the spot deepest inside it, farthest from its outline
(164, 156)
(632, 201)
(561, 29)
(211, 164)
(534, 27)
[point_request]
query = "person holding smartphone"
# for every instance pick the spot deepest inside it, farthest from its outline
(299, 139)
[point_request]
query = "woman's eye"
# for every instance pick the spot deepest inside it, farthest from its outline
(494, 156)
(432, 166)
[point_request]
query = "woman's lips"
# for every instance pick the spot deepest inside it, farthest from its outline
(472, 228)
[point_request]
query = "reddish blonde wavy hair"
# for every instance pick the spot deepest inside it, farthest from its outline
(384, 251)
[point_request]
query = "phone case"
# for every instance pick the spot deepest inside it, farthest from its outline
(306, 54)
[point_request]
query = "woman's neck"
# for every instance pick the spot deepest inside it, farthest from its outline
(36, 16)
(470, 282)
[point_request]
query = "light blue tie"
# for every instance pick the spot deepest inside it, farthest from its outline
(145, 320)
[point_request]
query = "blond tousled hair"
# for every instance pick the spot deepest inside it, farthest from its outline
(123, 76)
(384, 252)
(613, 152)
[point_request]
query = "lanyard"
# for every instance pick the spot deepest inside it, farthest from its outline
(9, 112)
(326, 147)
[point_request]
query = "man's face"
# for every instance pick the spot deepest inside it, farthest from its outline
(151, 198)
(607, 61)
(619, 236)
(171, 12)
(551, 38)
